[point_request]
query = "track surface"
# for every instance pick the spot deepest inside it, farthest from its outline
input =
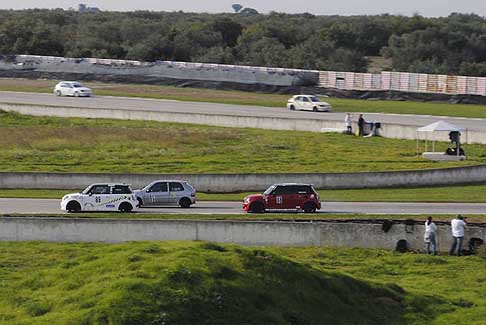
(222, 109)
(47, 206)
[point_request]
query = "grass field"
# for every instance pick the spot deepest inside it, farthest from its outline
(103, 145)
(250, 98)
(206, 283)
(470, 193)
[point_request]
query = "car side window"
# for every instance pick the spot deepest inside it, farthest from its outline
(278, 190)
(121, 189)
(303, 189)
(299, 98)
(100, 189)
(159, 187)
(305, 99)
(176, 187)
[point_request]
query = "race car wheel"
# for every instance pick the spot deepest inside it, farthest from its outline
(73, 206)
(309, 207)
(292, 107)
(76, 94)
(125, 207)
(314, 109)
(257, 207)
(58, 93)
(140, 202)
(185, 203)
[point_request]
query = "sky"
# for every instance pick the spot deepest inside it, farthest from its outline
(430, 8)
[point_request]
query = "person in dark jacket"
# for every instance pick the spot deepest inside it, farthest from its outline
(361, 122)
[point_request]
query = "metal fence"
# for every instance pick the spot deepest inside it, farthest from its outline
(405, 82)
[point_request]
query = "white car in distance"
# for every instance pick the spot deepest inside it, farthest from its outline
(72, 88)
(101, 197)
(308, 103)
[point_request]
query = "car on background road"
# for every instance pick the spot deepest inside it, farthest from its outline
(72, 88)
(101, 197)
(287, 196)
(308, 103)
(166, 192)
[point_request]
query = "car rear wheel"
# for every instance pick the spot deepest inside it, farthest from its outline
(292, 107)
(58, 93)
(257, 207)
(125, 207)
(309, 207)
(185, 203)
(73, 206)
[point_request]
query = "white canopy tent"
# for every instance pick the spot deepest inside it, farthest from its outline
(439, 126)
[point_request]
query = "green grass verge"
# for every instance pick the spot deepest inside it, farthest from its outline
(468, 193)
(250, 98)
(207, 283)
(52, 144)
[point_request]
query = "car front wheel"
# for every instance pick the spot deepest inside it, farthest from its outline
(185, 203)
(257, 207)
(73, 206)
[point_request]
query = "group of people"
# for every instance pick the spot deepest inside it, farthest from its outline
(458, 225)
(348, 122)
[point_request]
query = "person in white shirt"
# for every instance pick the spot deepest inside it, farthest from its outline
(457, 226)
(348, 122)
(430, 236)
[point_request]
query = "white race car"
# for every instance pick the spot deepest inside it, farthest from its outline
(72, 88)
(308, 103)
(101, 197)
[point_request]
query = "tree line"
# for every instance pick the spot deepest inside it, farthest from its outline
(448, 45)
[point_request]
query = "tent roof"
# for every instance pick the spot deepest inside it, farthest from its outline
(440, 126)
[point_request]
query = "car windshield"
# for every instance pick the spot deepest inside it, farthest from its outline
(77, 85)
(314, 99)
(269, 190)
(86, 190)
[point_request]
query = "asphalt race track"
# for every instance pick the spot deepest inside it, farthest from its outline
(51, 206)
(221, 109)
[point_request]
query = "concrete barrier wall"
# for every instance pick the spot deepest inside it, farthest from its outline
(253, 182)
(164, 69)
(252, 233)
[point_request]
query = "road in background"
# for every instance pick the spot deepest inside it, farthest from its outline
(160, 105)
(46, 206)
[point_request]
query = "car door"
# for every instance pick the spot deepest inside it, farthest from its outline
(275, 200)
(67, 89)
(306, 103)
(175, 191)
(158, 194)
(98, 198)
(298, 102)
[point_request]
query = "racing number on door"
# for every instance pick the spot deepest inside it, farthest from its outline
(97, 199)
(279, 199)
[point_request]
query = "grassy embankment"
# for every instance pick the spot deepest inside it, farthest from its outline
(250, 98)
(52, 144)
(204, 283)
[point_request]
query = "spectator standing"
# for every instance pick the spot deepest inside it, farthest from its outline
(430, 237)
(348, 122)
(361, 122)
(458, 224)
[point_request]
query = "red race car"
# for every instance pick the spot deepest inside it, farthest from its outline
(289, 196)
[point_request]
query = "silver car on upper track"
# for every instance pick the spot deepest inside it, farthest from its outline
(166, 192)
(308, 103)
